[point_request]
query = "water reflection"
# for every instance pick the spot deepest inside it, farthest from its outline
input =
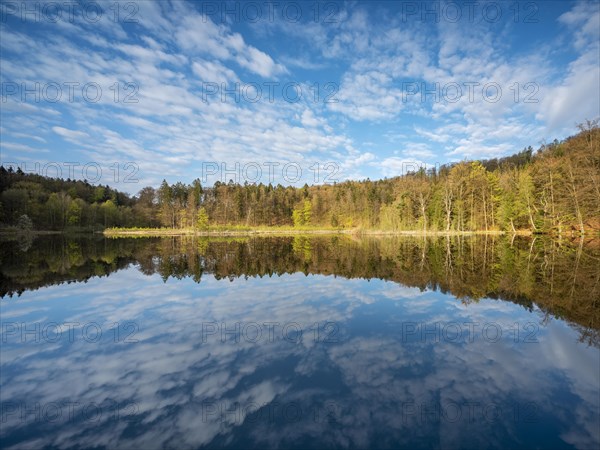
(562, 278)
(367, 359)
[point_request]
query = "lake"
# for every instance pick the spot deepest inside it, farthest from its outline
(300, 342)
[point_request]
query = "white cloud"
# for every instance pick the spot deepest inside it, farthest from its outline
(576, 96)
(584, 20)
(308, 119)
(199, 34)
(21, 147)
(395, 166)
(368, 96)
(71, 135)
(213, 72)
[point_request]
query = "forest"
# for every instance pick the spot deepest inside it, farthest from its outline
(554, 189)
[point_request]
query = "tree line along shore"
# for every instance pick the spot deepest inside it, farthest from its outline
(552, 190)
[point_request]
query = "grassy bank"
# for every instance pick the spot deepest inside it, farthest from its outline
(280, 230)
(218, 231)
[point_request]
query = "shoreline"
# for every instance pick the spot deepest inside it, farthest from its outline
(276, 231)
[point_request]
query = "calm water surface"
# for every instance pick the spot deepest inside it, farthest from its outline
(295, 342)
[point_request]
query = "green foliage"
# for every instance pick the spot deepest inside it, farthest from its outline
(302, 214)
(109, 213)
(74, 212)
(24, 223)
(202, 220)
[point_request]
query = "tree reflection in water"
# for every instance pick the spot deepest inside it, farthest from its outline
(561, 277)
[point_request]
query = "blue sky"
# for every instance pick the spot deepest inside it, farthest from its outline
(340, 83)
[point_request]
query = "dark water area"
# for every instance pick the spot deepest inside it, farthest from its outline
(300, 342)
